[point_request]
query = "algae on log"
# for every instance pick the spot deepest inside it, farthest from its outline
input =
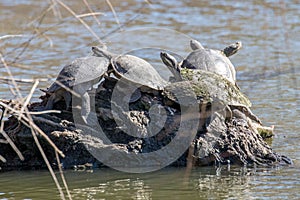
(219, 138)
(212, 86)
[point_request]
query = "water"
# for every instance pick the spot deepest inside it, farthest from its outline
(267, 71)
(171, 183)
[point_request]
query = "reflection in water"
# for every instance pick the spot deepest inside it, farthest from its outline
(231, 181)
(267, 71)
(126, 188)
(226, 182)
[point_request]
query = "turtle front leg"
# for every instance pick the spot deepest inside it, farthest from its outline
(55, 97)
(85, 107)
(89, 118)
(68, 98)
(50, 102)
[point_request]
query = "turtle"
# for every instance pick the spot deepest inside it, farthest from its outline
(228, 51)
(208, 87)
(82, 72)
(134, 75)
(133, 70)
(212, 60)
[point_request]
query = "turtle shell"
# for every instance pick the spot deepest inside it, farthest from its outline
(210, 60)
(138, 71)
(79, 71)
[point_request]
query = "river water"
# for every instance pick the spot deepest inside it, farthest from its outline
(267, 71)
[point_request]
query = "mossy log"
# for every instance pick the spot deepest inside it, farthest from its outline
(220, 138)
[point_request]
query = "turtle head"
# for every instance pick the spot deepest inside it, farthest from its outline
(232, 49)
(102, 52)
(168, 60)
(194, 44)
(171, 62)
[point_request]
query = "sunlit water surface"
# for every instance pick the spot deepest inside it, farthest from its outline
(267, 71)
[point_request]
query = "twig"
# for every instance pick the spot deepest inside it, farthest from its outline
(2, 159)
(62, 176)
(148, 2)
(43, 112)
(4, 104)
(89, 14)
(2, 113)
(47, 162)
(10, 36)
(67, 89)
(91, 10)
(33, 129)
(55, 9)
(23, 80)
(122, 25)
(10, 75)
(114, 13)
(83, 22)
(28, 98)
(26, 44)
(138, 13)
(42, 15)
(31, 124)
(3, 141)
(45, 36)
(12, 144)
(37, 129)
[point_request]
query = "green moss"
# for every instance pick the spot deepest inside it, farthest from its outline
(208, 86)
(265, 132)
